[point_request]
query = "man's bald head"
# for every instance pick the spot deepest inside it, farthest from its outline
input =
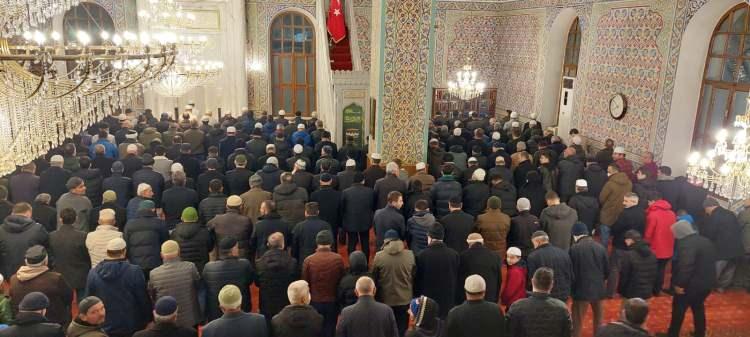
(635, 310)
(365, 286)
(276, 241)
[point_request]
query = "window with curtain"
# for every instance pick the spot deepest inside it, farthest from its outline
(572, 50)
(293, 63)
(726, 79)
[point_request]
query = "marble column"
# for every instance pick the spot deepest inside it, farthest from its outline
(403, 48)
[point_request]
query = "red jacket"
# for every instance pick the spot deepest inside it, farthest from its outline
(626, 166)
(323, 271)
(515, 285)
(659, 220)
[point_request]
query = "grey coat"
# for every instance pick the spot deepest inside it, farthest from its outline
(558, 221)
(81, 204)
(367, 318)
(178, 279)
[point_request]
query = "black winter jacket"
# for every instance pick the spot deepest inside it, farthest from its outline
(596, 177)
(570, 170)
(228, 270)
(304, 234)
(32, 324)
(357, 208)
(329, 201)
(521, 228)
(123, 187)
(233, 224)
(271, 177)
(484, 262)
(53, 181)
(630, 218)
(638, 271)
(475, 197)
(458, 225)
(175, 200)
(268, 224)
(437, 275)
(297, 321)
(17, 234)
(276, 270)
(445, 188)
(696, 266)
(723, 229)
(539, 315)
(556, 259)
(195, 242)
(591, 269)
(587, 208)
(507, 194)
(215, 204)
(345, 295)
(144, 236)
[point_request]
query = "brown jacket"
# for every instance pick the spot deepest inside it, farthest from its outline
(426, 180)
(251, 201)
(51, 284)
(494, 226)
(323, 271)
(612, 196)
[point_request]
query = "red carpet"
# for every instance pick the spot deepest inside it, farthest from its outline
(341, 55)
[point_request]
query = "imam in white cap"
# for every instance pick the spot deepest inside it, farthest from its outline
(116, 244)
(421, 166)
(581, 183)
(351, 163)
(619, 149)
(475, 284)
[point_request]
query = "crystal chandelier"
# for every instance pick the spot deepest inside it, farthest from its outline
(466, 86)
(183, 77)
(165, 14)
(17, 16)
(725, 170)
(50, 90)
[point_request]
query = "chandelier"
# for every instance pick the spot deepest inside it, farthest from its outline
(50, 90)
(183, 77)
(165, 14)
(17, 16)
(466, 86)
(725, 170)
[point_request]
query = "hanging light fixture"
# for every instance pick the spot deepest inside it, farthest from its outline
(18, 16)
(466, 87)
(182, 78)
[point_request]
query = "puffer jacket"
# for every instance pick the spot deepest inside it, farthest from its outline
(507, 194)
(475, 197)
(558, 221)
(611, 197)
(638, 272)
(290, 202)
(178, 279)
(521, 228)
(556, 259)
(195, 242)
(591, 268)
(587, 208)
(417, 228)
(32, 324)
(570, 170)
(233, 224)
(323, 271)
(297, 321)
(118, 281)
(621, 329)
(539, 315)
(228, 270)
(441, 192)
(494, 226)
(276, 270)
(268, 224)
(17, 234)
(393, 270)
(215, 204)
(271, 177)
(345, 295)
(596, 177)
(144, 236)
(659, 219)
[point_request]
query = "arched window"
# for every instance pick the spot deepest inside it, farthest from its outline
(90, 18)
(293, 63)
(572, 50)
(726, 79)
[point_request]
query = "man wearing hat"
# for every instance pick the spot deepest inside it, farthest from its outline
(17, 233)
(299, 154)
(480, 260)
(229, 143)
(230, 268)
(270, 173)
(437, 271)
(557, 259)
(426, 179)
(625, 165)
(345, 178)
(476, 317)
(233, 223)
(393, 270)
(53, 179)
(71, 255)
(234, 319)
(31, 319)
(130, 158)
(36, 276)
(117, 281)
(591, 268)
(585, 204)
(194, 238)
(374, 172)
(167, 313)
(77, 200)
(121, 185)
(300, 176)
(352, 151)
(88, 322)
(148, 176)
(323, 271)
(238, 178)
(179, 280)
(144, 235)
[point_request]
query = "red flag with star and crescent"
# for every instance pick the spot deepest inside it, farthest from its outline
(336, 23)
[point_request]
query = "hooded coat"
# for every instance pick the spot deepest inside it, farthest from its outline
(276, 270)
(118, 281)
(427, 323)
(17, 234)
(345, 295)
(476, 318)
(611, 197)
(417, 228)
(659, 219)
(393, 270)
(494, 226)
(558, 221)
(268, 224)
(696, 267)
(290, 202)
(638, 272)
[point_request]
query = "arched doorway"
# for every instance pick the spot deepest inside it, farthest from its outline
(726, 77)
(293, 63)
(568, 78)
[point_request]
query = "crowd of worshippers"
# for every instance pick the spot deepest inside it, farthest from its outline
(158, 227)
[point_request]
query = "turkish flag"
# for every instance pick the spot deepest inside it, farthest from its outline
(336, 23)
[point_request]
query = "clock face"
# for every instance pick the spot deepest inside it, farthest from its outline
(617, 106)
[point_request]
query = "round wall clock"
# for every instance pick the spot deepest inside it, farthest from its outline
(617, 106)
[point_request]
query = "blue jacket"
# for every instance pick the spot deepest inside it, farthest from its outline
(304, 135)
(123, 283)
(110, 150)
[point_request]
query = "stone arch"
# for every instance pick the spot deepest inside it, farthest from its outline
(553, 64)
(688, 80)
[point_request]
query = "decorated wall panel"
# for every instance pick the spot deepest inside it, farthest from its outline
(363, 15)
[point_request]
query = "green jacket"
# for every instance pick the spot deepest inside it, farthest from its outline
(6, 315)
